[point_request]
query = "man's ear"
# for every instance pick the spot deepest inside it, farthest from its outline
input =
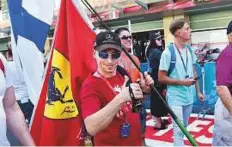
(177, 33)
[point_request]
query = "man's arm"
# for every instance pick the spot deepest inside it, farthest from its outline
(102, 118)
(225, 96)
(15, 118)
(199, 94)
(164, 79)
(164, 66)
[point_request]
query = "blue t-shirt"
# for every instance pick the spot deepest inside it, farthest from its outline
(178, 95)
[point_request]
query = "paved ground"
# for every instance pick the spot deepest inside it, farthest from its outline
(200, 129)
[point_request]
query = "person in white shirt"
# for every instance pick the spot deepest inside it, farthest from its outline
(20, 87)
(10, 113)
(21, 94)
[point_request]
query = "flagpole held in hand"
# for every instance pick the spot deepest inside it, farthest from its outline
(153, 89)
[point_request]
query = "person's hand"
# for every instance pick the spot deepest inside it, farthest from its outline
(125, 94)
(201, 96)
(145, 82)
(188, 82)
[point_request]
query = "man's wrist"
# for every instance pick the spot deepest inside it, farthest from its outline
(181, 82)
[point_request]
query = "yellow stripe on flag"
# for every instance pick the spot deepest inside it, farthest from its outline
(60, 102)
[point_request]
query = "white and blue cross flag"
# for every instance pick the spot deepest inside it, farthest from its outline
(30, 24)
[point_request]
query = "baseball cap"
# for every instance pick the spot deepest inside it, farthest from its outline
(229, 28)
(106, 40)
(154, 35)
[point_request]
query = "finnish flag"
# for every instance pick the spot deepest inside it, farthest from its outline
(30, 24)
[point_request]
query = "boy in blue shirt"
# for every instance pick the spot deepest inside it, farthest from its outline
(180, 81)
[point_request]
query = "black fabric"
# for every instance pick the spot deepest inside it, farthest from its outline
(123, 72)
(157, 108)
(229, 28)
(27, 109)
(154, 35)
(107, 38)
(154, 61)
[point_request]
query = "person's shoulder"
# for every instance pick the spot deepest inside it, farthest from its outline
(228, 50)
(136, 59)
(166, 52)
(90, 80)
(225, 53)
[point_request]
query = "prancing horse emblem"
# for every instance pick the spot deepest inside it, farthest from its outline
(54, 94)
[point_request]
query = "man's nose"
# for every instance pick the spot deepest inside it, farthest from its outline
(109, 59)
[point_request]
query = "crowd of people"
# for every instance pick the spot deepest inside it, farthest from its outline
(112, 104)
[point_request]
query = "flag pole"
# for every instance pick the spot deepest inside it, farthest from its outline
(129, 27)
(153, 89)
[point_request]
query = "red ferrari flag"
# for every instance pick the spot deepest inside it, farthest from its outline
(57, 120)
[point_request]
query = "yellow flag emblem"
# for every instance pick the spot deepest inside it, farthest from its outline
(60, 102)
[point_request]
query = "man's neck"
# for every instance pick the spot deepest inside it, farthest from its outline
(180, 44)
(106, 75)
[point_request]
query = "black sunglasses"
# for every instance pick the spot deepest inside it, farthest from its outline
(105, 55)
(126, 37)
(159, 39)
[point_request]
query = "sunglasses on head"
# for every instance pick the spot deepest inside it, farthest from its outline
(126, 37)
(105, 55)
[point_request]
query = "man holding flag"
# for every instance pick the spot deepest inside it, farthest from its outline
(106, 98)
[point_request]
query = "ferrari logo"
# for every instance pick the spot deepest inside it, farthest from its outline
(60, 102)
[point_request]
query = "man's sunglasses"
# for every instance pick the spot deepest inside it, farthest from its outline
(126, 37)
(105, 55)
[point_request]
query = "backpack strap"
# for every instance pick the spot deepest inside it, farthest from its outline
(173, 58)
(2, 66)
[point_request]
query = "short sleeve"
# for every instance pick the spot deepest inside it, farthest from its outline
(165, 60)
(7, 72)
(90, 101)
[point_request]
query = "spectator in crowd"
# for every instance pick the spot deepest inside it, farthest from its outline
(180, 81)
(126, 41)
(11, 115)
(154, 51)
(21, 94)
(20, 87)
(222, 134)
(106, 100)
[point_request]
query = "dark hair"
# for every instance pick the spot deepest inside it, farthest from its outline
(151, 46)
(176, 25)
(119, 30)
(9, 52)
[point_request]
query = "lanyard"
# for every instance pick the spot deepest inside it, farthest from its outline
(182, 60)
(98, 75)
